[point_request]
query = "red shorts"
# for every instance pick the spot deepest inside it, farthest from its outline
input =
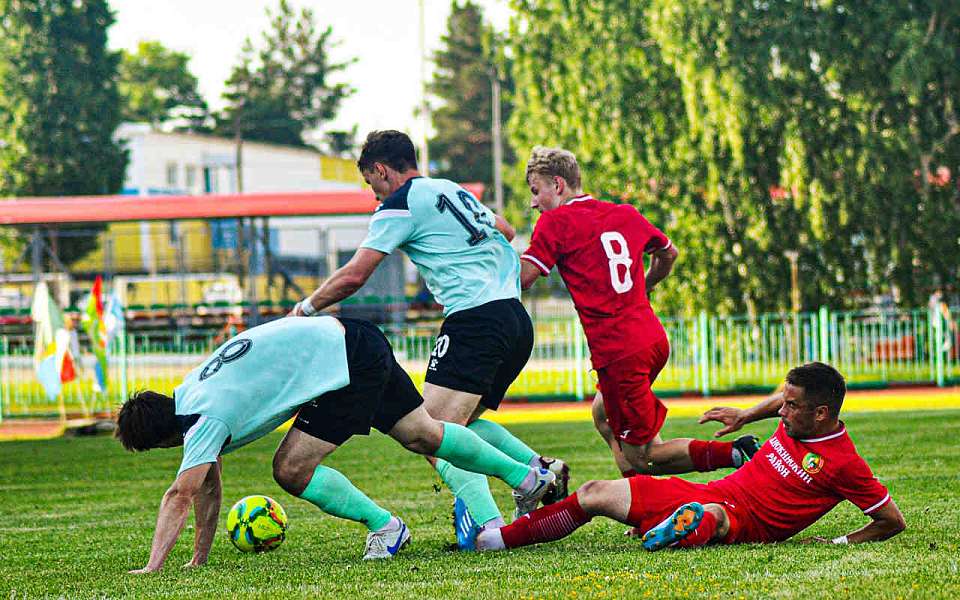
(654, 499)
(634, 413)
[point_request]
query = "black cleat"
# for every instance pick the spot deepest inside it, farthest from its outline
(744, 447)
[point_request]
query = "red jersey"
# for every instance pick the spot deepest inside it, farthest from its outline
(598, 249)
(791, 483)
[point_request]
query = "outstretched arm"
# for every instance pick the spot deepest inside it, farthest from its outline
(661, 263)
(505, 228)
(206, 510)
(735, 418)
(343, 283)
(887, 521)
(174, 509)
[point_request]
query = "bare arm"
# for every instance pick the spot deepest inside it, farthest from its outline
(735, 418)
(661, 263)
(344, 282)
(174, 509)
(505, 228)
(206, 510)
(528, 274)
(886, 522)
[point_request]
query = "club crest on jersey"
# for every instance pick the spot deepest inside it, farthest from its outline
(812, 463)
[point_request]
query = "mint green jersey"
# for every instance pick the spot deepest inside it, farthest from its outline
(451, 237)
(256, 381)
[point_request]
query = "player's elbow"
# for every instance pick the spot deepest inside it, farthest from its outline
(898, 525)
(180, 495)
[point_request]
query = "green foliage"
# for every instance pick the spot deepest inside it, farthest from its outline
(749, 130)
(59, 105)
(465, 65)
(156, 86)
(282, 89)
(80, 512)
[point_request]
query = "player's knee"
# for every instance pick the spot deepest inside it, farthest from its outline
(290, 476)
(423, 442)
(591, 495)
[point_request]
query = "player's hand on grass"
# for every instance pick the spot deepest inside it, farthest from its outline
(816, 540)
(733, 418)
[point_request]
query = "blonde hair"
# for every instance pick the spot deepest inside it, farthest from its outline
(552, 162)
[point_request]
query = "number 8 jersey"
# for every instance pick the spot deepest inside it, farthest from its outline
(598, 249)
(451, 237)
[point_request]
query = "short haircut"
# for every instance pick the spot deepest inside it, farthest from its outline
(822, 385)
(390, 147)
(552, 162)
(145, 420)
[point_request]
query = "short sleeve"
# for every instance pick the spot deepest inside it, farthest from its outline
(856, 483)
(656, 239)
(544, 250)
(389, 229)
(203, 442)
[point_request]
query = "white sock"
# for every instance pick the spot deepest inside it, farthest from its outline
(535, 462)
(494, 523)
(529, 482)
(490, 539)
(392, 524)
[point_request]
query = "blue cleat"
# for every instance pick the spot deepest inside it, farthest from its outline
(464, 526)
(674, 528)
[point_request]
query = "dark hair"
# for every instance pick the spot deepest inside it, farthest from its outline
(145, 420)
(390, 147)
(822, 385)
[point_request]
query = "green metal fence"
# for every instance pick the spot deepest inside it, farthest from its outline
(709, 354)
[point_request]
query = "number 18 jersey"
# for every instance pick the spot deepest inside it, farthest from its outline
(451, 237)
(598, 249)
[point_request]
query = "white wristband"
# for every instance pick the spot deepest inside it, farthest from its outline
(841, 540)
(306, 307)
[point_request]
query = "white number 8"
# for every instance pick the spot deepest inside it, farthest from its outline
(618, 258)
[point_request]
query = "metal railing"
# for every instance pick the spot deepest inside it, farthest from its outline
(709, 354)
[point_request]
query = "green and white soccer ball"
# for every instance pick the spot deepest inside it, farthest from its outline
(256, 524)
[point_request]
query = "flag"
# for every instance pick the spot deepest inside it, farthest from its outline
(96, 330)
(53, 360)
(113, 317)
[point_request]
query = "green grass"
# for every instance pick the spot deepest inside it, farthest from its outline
(78, 513)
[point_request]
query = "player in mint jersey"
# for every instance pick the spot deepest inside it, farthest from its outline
(598, 248)
(463, 253)
(340, 378)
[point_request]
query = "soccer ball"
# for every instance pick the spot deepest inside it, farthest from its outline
(256, 524)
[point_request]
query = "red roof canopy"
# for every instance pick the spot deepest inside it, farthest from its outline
(101, 209)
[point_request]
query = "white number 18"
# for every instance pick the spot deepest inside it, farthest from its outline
(617, 258)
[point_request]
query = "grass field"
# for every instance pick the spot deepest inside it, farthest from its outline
(77, 513)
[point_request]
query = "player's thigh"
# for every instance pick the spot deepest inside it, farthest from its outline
(640, 454)
(403, 415)
(296, 459)
(445, 404)
(418, 431)
(634, 412)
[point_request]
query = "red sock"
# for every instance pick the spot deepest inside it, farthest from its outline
(709, 456)
(629, 473)
(546, 524)
(702, 535)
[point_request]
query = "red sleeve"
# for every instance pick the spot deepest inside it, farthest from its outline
(656, 239)
(544, 250)
(856, 483)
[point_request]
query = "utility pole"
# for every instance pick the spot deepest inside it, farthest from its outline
(424, 108)
(497, 142)
(793, 256)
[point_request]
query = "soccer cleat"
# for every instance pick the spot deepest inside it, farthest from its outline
(386, 544)
(464, 526)
(674, 528)
(527, 503)
(561, 488)
(744, 447)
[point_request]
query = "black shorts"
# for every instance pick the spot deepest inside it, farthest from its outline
(379, 394)
(481, 350)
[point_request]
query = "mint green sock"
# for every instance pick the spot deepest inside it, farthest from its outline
(333, 493)
(473, 489)
(464, 449)
(498, 437)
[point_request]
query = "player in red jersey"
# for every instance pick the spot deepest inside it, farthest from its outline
(598, 249)
(809, 466)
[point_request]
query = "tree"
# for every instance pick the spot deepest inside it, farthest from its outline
(59, 105)
(465, 65)
(156, 86)
(754, 129)
(283, 89)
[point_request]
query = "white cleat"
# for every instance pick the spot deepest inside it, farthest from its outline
(527, 502)
(386, 544)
